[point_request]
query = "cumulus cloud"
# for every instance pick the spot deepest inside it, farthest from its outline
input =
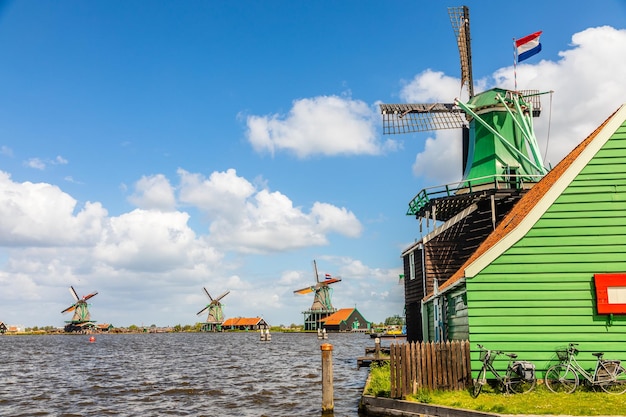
(325, 125)
(247, 219)
(242, 218)
(43, 215)
(432, 87)
(587, 89)
(221, 195)
(152, 241)
(154, 192)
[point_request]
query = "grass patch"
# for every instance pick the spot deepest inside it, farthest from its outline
(379, 381)
(540, 401)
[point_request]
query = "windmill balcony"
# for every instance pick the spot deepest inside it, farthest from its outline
(466, 190)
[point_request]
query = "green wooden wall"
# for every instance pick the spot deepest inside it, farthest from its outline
(539, 295)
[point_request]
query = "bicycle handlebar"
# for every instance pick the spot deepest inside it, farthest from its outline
(496, 352)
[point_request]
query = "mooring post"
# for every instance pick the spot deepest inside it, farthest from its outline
(328, 405)
(377, 348)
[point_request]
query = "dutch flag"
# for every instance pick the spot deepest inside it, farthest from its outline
(327, 276)
(528, 46)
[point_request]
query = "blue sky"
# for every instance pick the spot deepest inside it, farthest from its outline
(148, 149)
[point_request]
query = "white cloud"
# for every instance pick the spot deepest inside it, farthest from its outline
(6, 151)
(59, 160)
(441, 159)
(326, 125)
(35, 163)
(246, 219)
(335, 219)
(432, 87)
(154, 192)
(219, 196)
(587, 85)
(43, 215)
(152, 241)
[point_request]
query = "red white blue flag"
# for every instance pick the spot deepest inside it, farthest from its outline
(328, 276)
(528, 46)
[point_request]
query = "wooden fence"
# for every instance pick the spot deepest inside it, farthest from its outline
(429, 365)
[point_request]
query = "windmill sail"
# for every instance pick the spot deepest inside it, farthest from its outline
(459, 17)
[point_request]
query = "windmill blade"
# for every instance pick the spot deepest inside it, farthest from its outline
(332, 281)
(70, 308)
(408, 118)
(459, 17)
(223, 295)
(74, 294)
(317, 278)
(93, 294)
(203, 310)
(207, 293)
(304, 290)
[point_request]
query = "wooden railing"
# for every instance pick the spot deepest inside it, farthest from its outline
(429, 365)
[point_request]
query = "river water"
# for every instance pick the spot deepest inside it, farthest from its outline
(178, 374)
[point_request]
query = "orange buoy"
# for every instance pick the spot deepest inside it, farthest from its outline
(92, 339)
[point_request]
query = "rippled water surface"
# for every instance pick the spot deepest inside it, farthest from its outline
(193, 374)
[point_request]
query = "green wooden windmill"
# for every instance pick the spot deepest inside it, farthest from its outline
(322, 305)
(501, 162)
(215, 316)
(499, 145)
(81, 320)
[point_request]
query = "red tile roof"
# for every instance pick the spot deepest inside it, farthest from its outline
(337, 317)
(242, 321)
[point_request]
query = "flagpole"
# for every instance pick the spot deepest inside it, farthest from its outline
(515, 64)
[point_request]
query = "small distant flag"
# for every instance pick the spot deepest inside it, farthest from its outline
(528, 46)
(327, 276)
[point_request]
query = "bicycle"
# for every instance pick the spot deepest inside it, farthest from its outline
(519, 377)
(564, 377)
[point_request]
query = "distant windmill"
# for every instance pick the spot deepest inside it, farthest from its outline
(322, 306)
(81, 320)
(215, 317)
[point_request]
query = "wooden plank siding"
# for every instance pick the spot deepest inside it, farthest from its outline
(539, 294)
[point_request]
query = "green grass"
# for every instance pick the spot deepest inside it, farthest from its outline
(540, 401)
(379, 381)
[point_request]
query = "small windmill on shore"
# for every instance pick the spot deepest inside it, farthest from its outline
(215, 316)
(81, 320)
(322, 306)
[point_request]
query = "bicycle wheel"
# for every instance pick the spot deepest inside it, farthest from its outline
(478, 384)
(618, 385)
(518, 383)
(561, 378)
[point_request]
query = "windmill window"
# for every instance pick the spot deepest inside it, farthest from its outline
(412, 265)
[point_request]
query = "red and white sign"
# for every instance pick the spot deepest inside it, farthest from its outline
(611, 293)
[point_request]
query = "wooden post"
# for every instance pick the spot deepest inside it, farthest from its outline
(377, 348)
(328, 405)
